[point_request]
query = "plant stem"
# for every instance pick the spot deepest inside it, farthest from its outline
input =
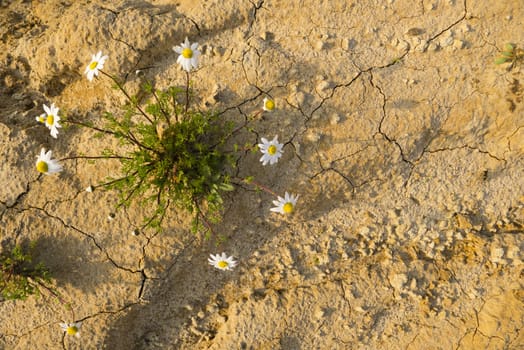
(89, 126)
(115, 180)
(257, 185)
(121, 87)
(202, 216)
(187, 91)
(164, 113)
(174, 107)
(95, 157)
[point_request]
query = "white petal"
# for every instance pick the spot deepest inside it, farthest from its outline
(54, 132)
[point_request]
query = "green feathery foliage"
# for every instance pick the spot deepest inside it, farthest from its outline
(19, 275)
(175, 155)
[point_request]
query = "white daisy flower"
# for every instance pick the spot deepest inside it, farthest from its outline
(222, 262)
(285, 205)
(188, 55)
(46, 165)
(50, 118)
(97, 63)
(272, 150)
(72, 328)
(269, 105)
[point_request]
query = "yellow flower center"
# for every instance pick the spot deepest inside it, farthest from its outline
(72, 330)
(270, 105)
(93, 65)
(187, 53)
(272, 150)
(222, 264)
(50, 119)
(42, 166)
(288, 208)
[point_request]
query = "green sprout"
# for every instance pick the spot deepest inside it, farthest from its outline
(511, 54)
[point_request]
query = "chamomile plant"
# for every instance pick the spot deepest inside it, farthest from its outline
(175, 154)
(20, 275)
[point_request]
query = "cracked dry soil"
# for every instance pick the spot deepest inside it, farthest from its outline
(402, 137)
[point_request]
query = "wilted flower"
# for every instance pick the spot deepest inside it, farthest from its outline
(269, 105)
(50, 118)
(188, 55)
(97, 63)
(222, 262)
(46, 165)
(285, 205)
(272, 150)
(72, 328)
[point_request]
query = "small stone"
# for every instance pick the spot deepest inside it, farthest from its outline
(89, 189)
(431, 6)
(496, 255)
(433, 47)
(398, 280)
(135, 232)
(415, 31)
(323, 85)
(320, 45)
(459, 44)
(364, 231)
(334, 119)
(447, 41)
(312, 136)
(267, 36)
(465, 28)
(348, 44)
(111, 216)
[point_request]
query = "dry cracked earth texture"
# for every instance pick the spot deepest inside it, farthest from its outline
(403, 138)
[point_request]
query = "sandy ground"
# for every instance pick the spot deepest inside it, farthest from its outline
(403, 138)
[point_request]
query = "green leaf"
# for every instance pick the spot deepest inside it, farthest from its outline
(509, 47)
(500, 60)
(226, 187)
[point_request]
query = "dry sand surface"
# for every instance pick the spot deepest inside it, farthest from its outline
(403, 138)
